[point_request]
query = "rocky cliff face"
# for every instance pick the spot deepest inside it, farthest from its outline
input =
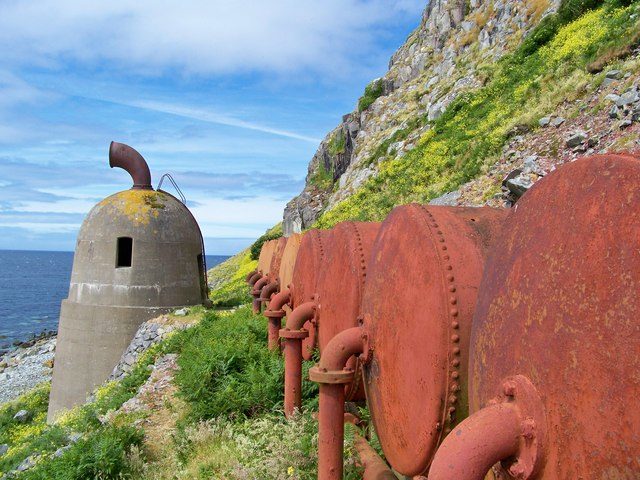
(442, 58)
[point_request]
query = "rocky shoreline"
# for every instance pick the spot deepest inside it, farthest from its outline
(31, 361)
(27, 365)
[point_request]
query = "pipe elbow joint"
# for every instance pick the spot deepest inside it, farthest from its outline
(268, 290)
(275, 308)
(341, 348)
(249, 275)
(259, 285)
(254, 278)
(301, 315)
(125, 157)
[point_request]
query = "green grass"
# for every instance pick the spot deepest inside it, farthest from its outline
(548, 69)
(226, 368)
(337, 144)
(321, 177)
(102, 447)
(232, 289)
(372, 91)
(271, 234)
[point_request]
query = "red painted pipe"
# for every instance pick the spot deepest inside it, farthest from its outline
(256, 306)
(256, 276)
(268, 290)
(331, 375)
(479, 442)
(374, 467)
(279, 301)
(275, 313)
(250, 274)
(294, 333)
(259, 285)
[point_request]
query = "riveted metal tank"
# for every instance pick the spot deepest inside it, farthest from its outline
(341, 285)
(272, 285)
(266, 253)
(555, 345)
(288, 262)
(309, 263)
(300, 297)
(276, 258)
(417, 307)
(139, 254)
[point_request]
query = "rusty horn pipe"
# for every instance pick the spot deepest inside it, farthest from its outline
(479, 442)
(332, 376)
(294, 333)
(254, 278)
(249, 275)
(275, 313)
(374, 467)
(127, 158)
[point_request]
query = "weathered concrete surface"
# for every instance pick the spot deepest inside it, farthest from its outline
(107, 303)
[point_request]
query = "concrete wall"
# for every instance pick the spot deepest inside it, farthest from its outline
(106, 303)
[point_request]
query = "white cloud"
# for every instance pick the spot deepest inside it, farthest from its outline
(197, 36)
(237, 218)
(214, 117)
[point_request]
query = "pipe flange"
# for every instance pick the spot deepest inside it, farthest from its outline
(274, 313)
(520, 392)
(332, 377)
(295, 334)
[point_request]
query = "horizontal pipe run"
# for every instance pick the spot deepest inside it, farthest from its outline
(374, 467)
(488, 436)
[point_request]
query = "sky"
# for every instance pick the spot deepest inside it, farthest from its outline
(230, 97)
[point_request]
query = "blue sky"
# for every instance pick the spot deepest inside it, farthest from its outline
(231, 97)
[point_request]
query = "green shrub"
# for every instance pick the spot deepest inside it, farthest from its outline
(321, 177)
(337, 144)
(371, 92)
(102, 454)
(272, 234)
(226, 368)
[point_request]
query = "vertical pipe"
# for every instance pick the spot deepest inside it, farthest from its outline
(292, 375)
(331, 434)
(274, 334)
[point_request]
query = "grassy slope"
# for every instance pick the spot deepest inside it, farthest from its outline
(229, 383)
(520, 89)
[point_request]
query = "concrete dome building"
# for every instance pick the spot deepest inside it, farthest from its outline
(139, 254)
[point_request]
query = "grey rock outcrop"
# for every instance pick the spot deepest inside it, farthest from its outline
(426, 74)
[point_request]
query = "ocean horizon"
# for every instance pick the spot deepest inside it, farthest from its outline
(33, 283)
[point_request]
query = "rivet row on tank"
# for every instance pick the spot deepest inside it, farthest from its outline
(455, 339)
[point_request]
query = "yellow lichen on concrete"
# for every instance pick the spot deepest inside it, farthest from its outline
(138, 205)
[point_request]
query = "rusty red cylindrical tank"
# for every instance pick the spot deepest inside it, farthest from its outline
(299, 297)
(267, 285)
(288, 262)
(337, 300)
(556, 339)
(264, 260)
(418, 303)
(281, 306)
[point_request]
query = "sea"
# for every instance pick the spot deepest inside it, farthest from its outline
(32, 285)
